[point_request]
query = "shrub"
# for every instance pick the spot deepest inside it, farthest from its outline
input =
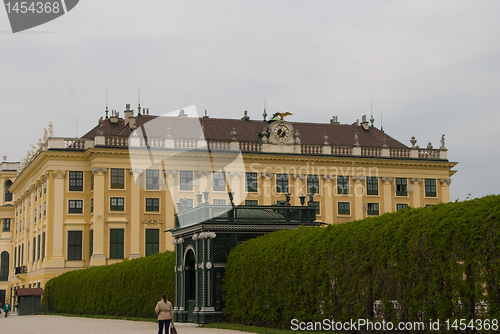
(440, 262)
(130, 288)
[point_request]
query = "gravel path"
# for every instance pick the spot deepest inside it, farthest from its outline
(51, 324)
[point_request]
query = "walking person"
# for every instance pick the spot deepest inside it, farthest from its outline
(165, 314)
(6, 309)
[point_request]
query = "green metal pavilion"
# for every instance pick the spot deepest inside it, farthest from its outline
(203, 238)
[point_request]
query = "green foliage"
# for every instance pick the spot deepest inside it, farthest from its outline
(435, 263)
(130, 288)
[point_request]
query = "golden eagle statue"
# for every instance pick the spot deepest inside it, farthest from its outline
(281, 115)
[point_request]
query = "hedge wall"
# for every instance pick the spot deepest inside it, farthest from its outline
(438, 262)
(130, 288)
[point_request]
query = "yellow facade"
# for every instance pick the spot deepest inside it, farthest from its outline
(123, 219)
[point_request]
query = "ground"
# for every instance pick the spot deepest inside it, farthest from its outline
(51, 324)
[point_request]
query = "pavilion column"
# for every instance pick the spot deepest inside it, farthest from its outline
(328, 196)
(207, 272)
(135, 214)
(180, 276)
(267, 189)
(359, 192)
(239, 197)
(445, 190)
(98, 258)
(416, 182)
(297, 188)
(387, 184)
(57, 259)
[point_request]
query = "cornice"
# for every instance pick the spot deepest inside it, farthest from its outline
(106, 151)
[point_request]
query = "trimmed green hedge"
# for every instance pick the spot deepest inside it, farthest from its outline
(437, 262)
(130, 288)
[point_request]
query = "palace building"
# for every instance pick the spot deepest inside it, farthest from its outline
(112, 194)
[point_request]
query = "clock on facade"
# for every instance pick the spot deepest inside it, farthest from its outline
(281, 132)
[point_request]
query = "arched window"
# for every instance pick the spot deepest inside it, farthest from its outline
(8, 194)
(4, 267)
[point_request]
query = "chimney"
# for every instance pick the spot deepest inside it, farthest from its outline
(364, 123)
(114, 117)
(245, 116)
(131, 122)
(334, 120)
(182, 113)
(127, 113)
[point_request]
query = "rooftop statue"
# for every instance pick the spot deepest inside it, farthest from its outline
(281, 115)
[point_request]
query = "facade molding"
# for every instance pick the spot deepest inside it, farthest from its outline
(416, 180)
(387, 179)
(443, 181)
(97, 170)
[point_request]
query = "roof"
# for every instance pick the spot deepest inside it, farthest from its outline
(247, 130)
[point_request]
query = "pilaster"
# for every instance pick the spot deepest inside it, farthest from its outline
(416, 182)
(328, 196)
(135, 214)
(236, 187)
(57, 259)
(445, 190)
(297, 188)
(358, 196)
(168, 214)
(203, 177)
(387, 184)
(267, 191)
(98, 258)
(170, 184)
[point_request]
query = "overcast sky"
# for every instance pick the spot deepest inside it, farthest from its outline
(431, 68)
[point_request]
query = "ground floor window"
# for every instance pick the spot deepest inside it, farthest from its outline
(152, 241)
(372, 209)
(344, 208)
(74, 245)
(116, 243)
(401, 206)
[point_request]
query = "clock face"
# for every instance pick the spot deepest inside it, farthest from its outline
(281, 132)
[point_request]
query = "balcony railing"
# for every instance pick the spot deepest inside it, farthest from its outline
(80, 144)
